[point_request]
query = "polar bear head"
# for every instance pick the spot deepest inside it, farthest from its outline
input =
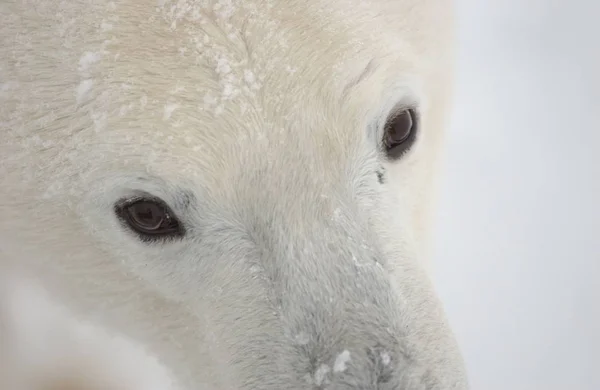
(241, 186)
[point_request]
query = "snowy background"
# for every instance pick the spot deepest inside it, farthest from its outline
(518, 238)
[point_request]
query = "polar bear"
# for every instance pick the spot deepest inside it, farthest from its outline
(43, 347)
(242, 187)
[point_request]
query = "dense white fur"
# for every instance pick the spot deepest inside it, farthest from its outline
(45, 348)
(258, 122)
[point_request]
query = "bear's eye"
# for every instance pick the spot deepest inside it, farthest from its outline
(151, 219)
(400, 132)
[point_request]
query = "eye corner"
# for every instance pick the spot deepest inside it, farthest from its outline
(400, 131)
(150, 218)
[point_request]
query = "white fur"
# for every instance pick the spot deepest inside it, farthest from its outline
(258, 122)
(48, 349)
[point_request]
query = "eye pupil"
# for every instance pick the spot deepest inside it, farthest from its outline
(150, 219)
(146, 215)
(400, 131)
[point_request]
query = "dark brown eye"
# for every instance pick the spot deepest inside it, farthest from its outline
(150, 219)
(400, 133)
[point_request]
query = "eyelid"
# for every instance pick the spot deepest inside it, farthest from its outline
(125, 202)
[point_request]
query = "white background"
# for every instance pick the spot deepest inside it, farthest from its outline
(518, 229)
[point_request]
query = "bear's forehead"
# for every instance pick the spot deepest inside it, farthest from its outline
(221, 70)
(181, 82)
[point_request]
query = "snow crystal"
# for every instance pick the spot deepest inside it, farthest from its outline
(385, 358)
(100, 120)
(337, 213)
(360, 264)
(249, 76)
(321, 374)
(87, 59)
(301, 338)
(209, 100)
(169, 109)
(308, 379)
(224, 9)
(125, 109)
(229, 91)
(223, 66)
(82, 89)
(341, 360)
(105, 26)
(8, 86)
(143, 101)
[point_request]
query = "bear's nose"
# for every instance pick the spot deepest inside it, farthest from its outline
(376, 368)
